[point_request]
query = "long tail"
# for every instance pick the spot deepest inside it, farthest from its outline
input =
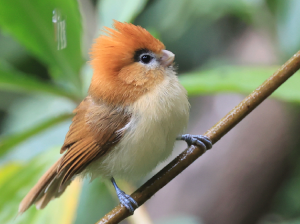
(47, 188)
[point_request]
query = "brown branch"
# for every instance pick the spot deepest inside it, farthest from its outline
(215, 133)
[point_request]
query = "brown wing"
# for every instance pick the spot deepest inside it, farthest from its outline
(95, 128)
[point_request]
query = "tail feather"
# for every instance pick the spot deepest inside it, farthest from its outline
(46, 189)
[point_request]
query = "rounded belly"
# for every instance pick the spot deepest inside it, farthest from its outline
(134, 158)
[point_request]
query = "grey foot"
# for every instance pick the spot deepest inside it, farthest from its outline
(198, 140)
(125, 199)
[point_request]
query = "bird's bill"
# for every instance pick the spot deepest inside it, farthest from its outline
(167, 58)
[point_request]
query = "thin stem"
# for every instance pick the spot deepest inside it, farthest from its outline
(188, 156)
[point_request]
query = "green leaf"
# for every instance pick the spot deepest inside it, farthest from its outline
(288, 28)
(123, 11)
(13, 80)
(286, 202)
(17, 179)
(6, 143)
(95, 200)
(173, 20)
(239, 80)
(30, 22)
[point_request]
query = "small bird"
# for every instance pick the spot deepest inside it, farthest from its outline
(135, 110)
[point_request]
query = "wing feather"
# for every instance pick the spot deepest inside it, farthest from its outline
(93, 132)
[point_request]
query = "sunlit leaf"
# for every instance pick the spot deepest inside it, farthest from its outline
(8, 142)
(239, 80)
(13, 80)
(17, 179)
(30, 22)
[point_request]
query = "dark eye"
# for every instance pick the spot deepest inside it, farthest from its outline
(146, 58)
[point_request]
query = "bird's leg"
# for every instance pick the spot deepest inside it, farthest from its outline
(201, 141)
(125, 199)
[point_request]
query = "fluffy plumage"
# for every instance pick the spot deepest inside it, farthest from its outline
(157, 118)
(117, 79)
(129, 121)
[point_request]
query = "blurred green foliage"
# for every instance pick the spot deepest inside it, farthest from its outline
(37, 105)
(30, 22)
(17, 179)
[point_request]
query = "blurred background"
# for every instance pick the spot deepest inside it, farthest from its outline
(224, 49)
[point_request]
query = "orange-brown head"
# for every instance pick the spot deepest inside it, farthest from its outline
(127, 63)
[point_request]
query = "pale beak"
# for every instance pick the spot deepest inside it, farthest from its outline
(167, 58)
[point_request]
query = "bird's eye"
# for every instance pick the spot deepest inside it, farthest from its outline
(146, 58)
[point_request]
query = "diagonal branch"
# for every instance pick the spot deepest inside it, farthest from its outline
(188, 156)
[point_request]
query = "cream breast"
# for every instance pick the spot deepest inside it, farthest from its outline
(157, 118)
